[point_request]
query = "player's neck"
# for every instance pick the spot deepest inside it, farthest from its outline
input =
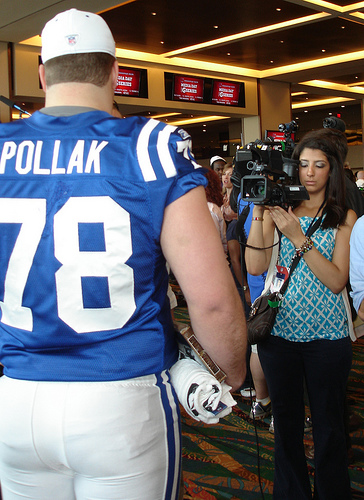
(79, 94)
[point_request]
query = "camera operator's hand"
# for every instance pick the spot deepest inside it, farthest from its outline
(289, 224)
(258, 210)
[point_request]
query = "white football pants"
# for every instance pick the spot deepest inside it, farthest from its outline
(89, 440)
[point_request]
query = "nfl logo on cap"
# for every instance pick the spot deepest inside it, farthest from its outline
(72, 39)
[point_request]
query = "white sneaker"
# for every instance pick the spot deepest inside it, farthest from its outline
(248, 392)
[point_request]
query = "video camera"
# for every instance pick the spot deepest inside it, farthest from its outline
(266, 174)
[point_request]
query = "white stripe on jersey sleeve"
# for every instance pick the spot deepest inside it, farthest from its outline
(143, 153)
(163, 151)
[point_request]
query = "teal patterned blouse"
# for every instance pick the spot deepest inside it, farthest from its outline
(309, 310)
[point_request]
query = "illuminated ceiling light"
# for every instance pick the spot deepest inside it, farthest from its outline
(314, 63)
(337, 8)
(162, 42)
(271, 62)
(153, 13)
(164, 115)
(294, 94)
(248, 34)
(278, 9)
(215, 27)
(333, 86)
(358, 14)
(323, 50)
(356, 84)
(228, 54)
(282, 41)
(199, 120)
(320, 102)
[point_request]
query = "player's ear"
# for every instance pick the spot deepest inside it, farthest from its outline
(114, 74)
(42, 76)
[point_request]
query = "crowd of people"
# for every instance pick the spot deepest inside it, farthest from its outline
(307, 358)
(87, 340)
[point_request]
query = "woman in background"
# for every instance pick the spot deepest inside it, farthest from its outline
(214, 202)
(231, 220)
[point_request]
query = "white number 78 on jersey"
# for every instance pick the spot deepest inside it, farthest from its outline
(75, 264)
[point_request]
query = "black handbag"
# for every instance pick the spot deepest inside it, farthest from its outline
(264, 309)
(261, 317)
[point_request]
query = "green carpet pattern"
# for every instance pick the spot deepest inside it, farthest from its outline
(221, 462)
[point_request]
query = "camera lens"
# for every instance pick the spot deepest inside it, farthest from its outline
(258, 189)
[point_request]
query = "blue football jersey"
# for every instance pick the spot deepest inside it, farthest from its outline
(83, 279)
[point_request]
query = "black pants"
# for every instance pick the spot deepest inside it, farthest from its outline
(325, 366)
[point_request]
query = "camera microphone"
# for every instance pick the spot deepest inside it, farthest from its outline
(334, 122)
(12, 104)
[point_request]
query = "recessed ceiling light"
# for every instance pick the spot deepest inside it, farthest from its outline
(342, 106)
(306, 111)
(153, 13)
(162, 42)
(271, 62)
(282, 41)
(216, 26)
(278, 9)
(323, 50)
(228, 54)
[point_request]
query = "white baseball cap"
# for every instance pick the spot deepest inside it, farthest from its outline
(215, 158)
(76, 32)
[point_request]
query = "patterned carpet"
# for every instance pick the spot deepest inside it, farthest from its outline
(221, 462)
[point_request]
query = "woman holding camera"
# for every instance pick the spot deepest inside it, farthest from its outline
(310, 339)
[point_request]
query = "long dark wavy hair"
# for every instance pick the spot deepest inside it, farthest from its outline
(213, 188)
(333, 144)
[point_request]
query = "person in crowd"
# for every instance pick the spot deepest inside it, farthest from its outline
(214, 202)
(348, 172)
(357, 266)
(360, 179)
(231, 220)
(261, 407)
(310, 339)
(91, 210)
(218, 163)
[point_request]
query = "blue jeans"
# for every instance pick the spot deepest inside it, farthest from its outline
(325, 366)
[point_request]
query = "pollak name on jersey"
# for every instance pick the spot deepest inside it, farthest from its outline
(27, 157)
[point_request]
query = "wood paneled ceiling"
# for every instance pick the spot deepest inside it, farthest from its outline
(316, 45)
